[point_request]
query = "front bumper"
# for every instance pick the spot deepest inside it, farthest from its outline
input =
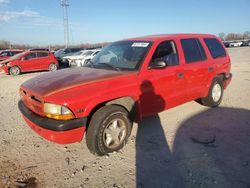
(4, 69)
(227, 79)
(61, 132)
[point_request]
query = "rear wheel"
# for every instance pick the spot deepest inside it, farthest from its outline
(108, 130)
(52, 67)
(15, 71)
(215, 94)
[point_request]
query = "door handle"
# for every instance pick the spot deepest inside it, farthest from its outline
(180, 75)
(210, 69)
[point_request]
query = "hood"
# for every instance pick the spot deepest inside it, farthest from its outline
(53, 82)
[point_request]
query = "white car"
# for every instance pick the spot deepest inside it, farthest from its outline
(236, 44)
(77, 55)
(84, 58)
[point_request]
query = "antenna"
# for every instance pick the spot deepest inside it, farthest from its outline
(65, 5)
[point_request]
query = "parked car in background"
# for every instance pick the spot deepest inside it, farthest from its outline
(235, 44)
(125, 82)
(84, 58)
(65, 52)
(226, 44)
(77, 55)
(5, 54)
(29, 61)
(246, 43)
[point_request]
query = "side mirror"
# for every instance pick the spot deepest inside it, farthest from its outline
(23, 58)
(158, 64)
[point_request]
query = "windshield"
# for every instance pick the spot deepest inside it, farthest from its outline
(87, 53)
(17, 55)
(58, 52)
(79, 53)
(123, 55)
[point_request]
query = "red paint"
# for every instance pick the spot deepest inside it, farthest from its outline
(26, 65)
(60, 137)
(152, 90)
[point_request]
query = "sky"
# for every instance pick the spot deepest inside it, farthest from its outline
(39, 22)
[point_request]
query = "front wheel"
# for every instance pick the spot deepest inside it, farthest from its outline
(215, 94)
(108, 130)
(52, 67)
(15, 71)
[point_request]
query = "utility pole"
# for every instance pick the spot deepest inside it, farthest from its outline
(65, 5)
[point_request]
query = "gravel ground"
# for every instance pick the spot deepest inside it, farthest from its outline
(187, 146)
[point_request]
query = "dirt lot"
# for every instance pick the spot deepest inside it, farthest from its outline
(187, 146)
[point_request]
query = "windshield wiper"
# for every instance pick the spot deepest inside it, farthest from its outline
(112, 66)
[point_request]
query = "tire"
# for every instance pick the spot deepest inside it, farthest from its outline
(106, 121)
(215, 94)
(52, 67)
(14, 71)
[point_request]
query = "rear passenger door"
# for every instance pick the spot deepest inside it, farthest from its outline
(219, 59)
(196, 67)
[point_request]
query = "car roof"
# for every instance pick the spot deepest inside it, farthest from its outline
(153, 38)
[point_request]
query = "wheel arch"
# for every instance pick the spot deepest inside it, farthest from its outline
(128, 103)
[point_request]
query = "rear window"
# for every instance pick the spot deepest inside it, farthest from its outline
(193, 50)
(215, 48)
(42, 54)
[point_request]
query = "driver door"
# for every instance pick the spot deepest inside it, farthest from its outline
(163, 88)
(29, 62)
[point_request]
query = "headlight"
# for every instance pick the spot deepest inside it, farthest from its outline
(2, 64)
(57, 112)
(8, 64)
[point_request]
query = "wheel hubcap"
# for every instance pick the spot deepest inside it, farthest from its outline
(14, 70)
(114, 133)
(216, 92)
(52, 67)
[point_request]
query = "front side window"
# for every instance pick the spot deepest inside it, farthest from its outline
(167, 52)
(193, 50)
(123, 55)
(30, 56)
(215, 48)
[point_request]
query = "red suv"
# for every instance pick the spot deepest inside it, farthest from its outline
(8, 53)
(126, 81)
(29, 61)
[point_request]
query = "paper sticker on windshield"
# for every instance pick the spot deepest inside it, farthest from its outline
(140, 44)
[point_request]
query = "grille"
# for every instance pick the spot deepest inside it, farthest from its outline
(33, 102)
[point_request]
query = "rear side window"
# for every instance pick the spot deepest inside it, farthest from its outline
(215, 48)
(42, 54)
(193, 50)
